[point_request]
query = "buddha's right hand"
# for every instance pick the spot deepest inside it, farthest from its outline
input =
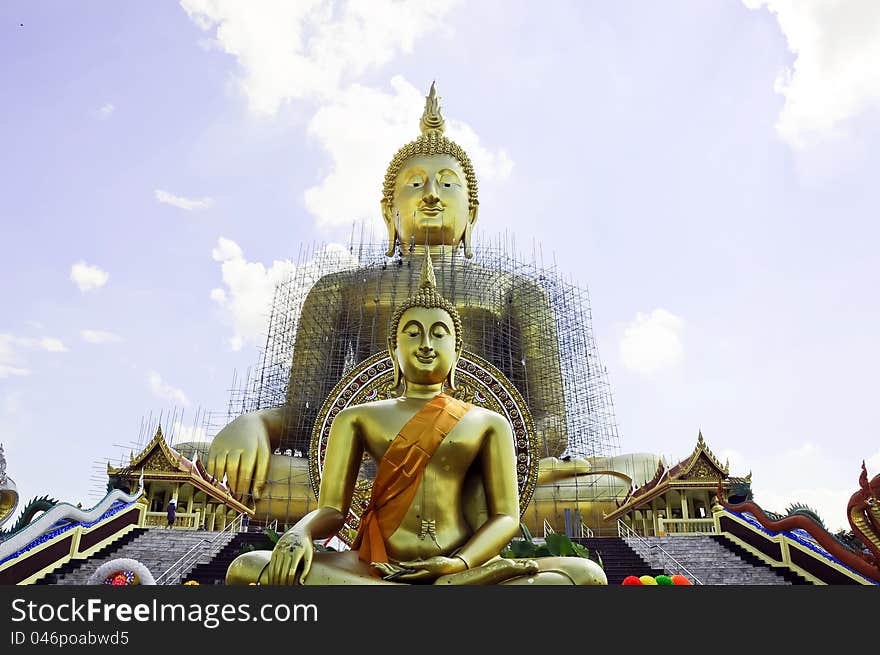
(242, 451)
(291, 558)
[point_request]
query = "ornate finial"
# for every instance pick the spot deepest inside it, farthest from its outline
(700, 438)
(429, 280)
(432, 120)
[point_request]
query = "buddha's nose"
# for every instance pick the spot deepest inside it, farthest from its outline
(430, 193)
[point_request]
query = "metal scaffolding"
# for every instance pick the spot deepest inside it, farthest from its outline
(518, 313)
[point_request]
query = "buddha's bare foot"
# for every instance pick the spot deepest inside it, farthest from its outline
(493, 572)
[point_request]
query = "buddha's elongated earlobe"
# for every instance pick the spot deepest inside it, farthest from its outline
(395, 367)
(391, 226)
(468, 231)
(450, 379)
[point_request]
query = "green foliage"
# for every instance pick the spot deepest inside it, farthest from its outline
(272, 535)
(555, 545)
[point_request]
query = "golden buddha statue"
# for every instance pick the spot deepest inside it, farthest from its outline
(416, 528)
(429, 205)
(429, 202)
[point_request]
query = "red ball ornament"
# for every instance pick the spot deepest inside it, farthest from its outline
(680, 580)
(631, 580)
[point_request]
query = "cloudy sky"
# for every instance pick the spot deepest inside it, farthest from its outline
(707, 169)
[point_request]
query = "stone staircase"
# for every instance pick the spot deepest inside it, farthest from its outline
(618, 559)
(155, 548)
(214, 571)
(106, 551)
(714, 563)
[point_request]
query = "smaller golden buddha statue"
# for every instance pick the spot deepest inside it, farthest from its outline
(416, 527)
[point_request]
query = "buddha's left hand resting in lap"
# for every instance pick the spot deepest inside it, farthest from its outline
(414, 529)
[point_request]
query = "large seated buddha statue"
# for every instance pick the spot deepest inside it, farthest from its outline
(429, 205)
(419, 525)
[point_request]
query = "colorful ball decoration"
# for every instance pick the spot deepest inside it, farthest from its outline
(631, 580)
(648, 580)
(121, 572)
(664, 580)
(678, 579)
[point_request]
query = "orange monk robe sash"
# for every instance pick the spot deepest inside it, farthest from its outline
(400, 472)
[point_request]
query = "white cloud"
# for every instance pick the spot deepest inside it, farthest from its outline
(311, 48)
(10, 352)
(652, 342)
(99, 336)
(315, 52)
(165, 391)
(182, 203)
(250, 290)
(52, 345)
(835, 74)
(180, 433)
(250, 286)
(88, 277)
(7, 371)
(106, 111)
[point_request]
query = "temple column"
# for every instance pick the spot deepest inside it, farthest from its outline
(220, 514)
(209, 516)
(684, 505)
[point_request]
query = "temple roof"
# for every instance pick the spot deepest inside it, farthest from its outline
(699, 469)
(159, 461)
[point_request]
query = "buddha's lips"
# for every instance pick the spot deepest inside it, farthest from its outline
(431, 211)
(426, 359)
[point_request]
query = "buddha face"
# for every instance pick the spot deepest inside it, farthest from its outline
(430, 202)
(425, 348)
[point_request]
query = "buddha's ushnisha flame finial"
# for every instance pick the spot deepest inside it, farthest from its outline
(432, 119)
(429, 280)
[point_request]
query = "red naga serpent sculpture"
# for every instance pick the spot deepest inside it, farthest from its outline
(863, 512)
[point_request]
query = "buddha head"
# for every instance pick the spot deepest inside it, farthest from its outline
(429, 196)
(424, 339)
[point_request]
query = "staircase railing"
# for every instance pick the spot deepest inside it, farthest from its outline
(584, 531)
(645, 549)
(176, 571)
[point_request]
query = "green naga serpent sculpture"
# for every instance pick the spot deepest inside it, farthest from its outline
(34, 507)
